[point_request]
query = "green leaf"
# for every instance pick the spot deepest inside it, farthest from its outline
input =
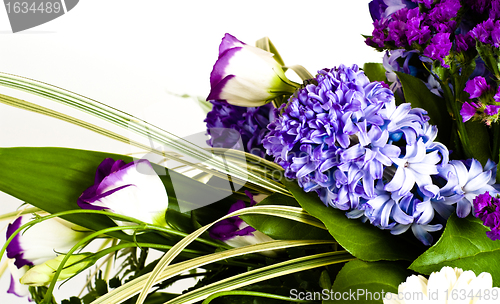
(374, 71)
(464, 244)
(362, 240)
(281, 228)
(368, 282)
(52, 179)
(419, 96)
(480, 139)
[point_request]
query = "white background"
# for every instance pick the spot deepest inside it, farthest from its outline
(131, 54)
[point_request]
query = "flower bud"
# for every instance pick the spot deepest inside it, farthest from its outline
(41, 275)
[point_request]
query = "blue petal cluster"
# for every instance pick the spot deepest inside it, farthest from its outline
(343, 137)
(238, 127)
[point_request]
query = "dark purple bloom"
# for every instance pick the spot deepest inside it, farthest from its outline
(232, 126)
(487, 208)
(234, 226)
(235, 232)
(133, 190)
(439, 47)
(463, 42)
(476, 87)
(468, 111)
(479, 6)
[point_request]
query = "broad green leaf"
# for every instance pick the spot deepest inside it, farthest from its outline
(419, 96)
(203, 157)
(464, 244)
(364, 241)
(52, 179)
(374, 71)
(480, 140)
(281, 228)
(368, 282)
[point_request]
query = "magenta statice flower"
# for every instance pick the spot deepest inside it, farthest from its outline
(231, 126)
(487, 32)
(491, 110)
(469, 109)
(439, 47)
(487, 209)
(477, 87)
(463, 42)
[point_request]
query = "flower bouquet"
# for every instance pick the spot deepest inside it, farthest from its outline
(374, 185)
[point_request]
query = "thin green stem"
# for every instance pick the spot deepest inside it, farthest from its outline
(253, 294)
(122, 217)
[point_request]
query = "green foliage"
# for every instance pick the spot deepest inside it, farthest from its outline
(419, 96)
(367, 282)
(362, 240)
(284, 229)
(479, 138)
(374, 71)
(464, 244)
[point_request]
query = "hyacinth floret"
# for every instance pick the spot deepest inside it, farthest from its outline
(343, 137)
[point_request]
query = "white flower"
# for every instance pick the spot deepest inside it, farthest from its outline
(247, 76)
(448, 286)
(43, 241)
(133, 190)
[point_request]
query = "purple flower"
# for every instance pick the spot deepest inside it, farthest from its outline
(416, 166)
(439, 47)
(342, 135)
(235, 232)
(247, 76)
(16, 288)
(463, 42)
(483, 31)
(227, 124)
(133, 190)
(487, 208)
(476, 87)
(466, 180)
(491, 110)
(468, 110)
(42, 242)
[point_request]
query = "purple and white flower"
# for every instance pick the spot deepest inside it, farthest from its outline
(247, 76)
(466, 180)
(133, 190)
(43, 241)
(16, 288)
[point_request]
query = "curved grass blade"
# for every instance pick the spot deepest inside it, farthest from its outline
(138, 126)
(133, 287)
(264, 273)
(292, 213)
